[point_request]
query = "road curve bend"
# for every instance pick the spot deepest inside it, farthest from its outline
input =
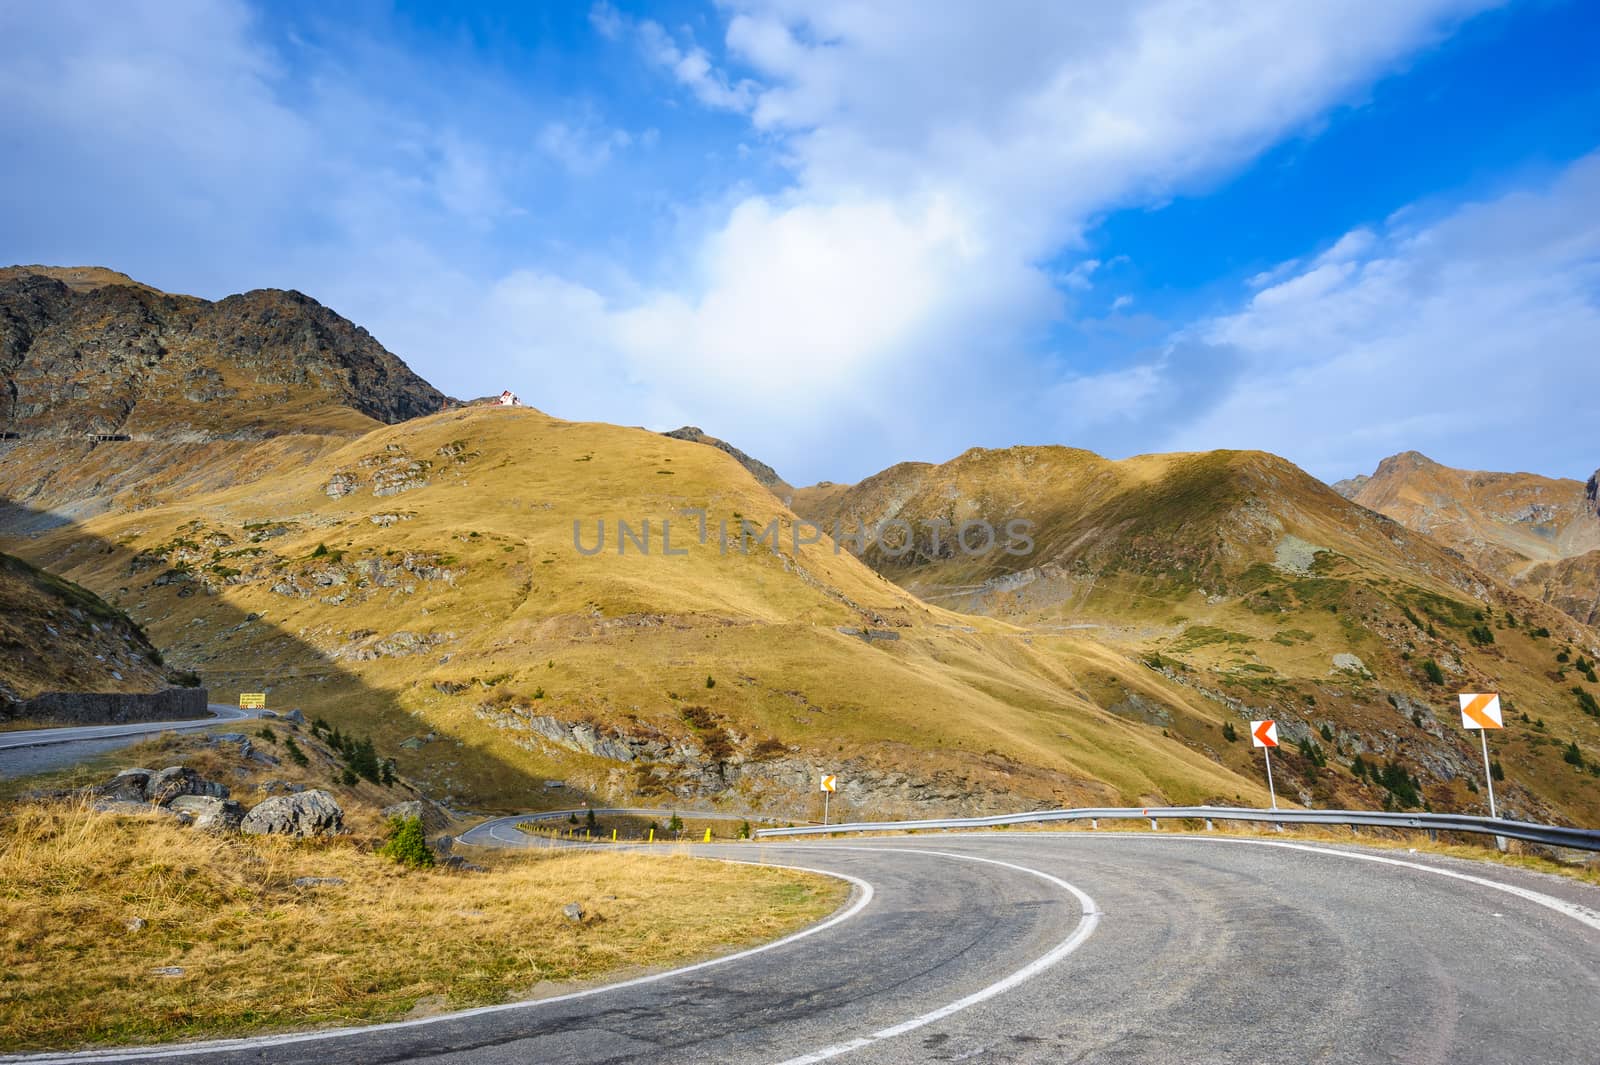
(1075, 947)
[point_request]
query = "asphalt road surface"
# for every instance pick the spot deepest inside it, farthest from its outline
(1079, 947)
(41, 749)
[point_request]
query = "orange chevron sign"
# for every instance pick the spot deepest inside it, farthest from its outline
(1481, 710)
(830, 782)
(1264, 733)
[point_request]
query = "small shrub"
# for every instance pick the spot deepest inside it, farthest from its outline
(407, 845)
(1481, 635)
(1230, 733)
(711, 682)
(294, 753)
(675, 826)
(744, 830)
(1327, 732)
(1541, 632)
(1573, 755)
(1496, 772)
(266, 734)
(321, 551)
(538, 693)
(1431, 669)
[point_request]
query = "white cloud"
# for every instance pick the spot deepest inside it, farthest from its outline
(688, 63)
(1470, 338)
(584, 148)
(938, 160)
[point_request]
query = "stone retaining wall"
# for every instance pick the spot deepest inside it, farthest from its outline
(109, 708)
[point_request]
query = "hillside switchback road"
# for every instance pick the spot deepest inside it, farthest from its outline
(1074, 947)
(38, 750)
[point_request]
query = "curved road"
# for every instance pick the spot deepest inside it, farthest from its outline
(1077, 947)
(20, 751)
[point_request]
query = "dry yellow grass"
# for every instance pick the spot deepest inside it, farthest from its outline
(257, 952)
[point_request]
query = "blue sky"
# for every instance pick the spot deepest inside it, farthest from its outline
(846, 235)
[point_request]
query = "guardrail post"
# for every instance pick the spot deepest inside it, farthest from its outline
(1209, 826)
(1153, 826)
(1094, 823)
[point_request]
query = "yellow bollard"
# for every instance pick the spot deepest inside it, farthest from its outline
(613, 835)
(708, 835)
(652, 835)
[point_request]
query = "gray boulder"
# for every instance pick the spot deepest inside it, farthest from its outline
(310, 813)
(177, 780)
(209, 813)
(432, 818)
(295, 716)
(130, 785)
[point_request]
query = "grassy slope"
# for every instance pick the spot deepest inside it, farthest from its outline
(1176, 558)
(256, 952)
(625, 641)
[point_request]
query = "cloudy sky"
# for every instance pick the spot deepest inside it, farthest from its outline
(843, 235)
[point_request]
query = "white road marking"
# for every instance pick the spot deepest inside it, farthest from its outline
(864, 897)
(1581, 914)
(1084, 928)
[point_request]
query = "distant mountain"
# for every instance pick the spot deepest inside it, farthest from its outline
(760, 470)
(1541, 534)
(110, 388)
(1240, 576)
(56, 636)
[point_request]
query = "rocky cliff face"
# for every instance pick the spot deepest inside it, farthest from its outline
(122, 359)
(115, 396)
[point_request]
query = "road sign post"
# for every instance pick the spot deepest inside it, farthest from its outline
(1264, 734)
(1480, 711)
(829, 784)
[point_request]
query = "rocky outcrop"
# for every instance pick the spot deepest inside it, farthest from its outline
(305, 815)
(717, 765)
(760, 470)
(208, 812)
(163, 787)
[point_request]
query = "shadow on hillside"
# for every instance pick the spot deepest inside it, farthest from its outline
(319, 685)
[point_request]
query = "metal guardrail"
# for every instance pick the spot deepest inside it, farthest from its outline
(1549, 835)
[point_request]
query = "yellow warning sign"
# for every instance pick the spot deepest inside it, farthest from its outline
(252, 700)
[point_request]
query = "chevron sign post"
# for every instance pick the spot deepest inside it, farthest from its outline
(830, 784)
(1264, 734)
(1481, 711)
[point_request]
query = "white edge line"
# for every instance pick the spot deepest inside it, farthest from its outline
(864, 896)
(1579, 913)
(1084, 928)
